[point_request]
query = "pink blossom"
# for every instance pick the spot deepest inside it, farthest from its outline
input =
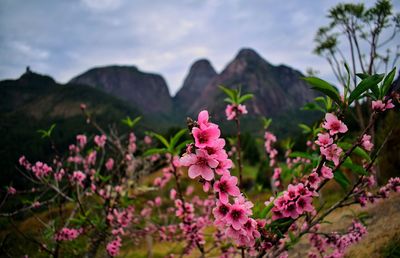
(332, 153)
(324, 139)
(313, 180)
(147, 140)
(114, 246)
(132, 143)
(326, 172)
(25, 163)
(378, 105)
(200, 164)
(41, 169)
(100, 140)
(11, 190)
(333, 124)
(172, 194)
(221, 210)
(236, 216)
(233, 110)
(78, 177)
(304, 203)
(203, 118)
(82, 140)
(366, 142)
(226, 186)
(109, 164)
(205, 137)
(67, 234)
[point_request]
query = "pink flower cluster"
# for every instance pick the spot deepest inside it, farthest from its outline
(67, 234)
(114, 246)
(100, 140)
(78, 177)
(11, 190)
(233, 111)
(295, 201)
(118, 220)
(271, 151)
(210, 156)
(334, 125)
(336, 243)
(366, 142)
(327, 148)
(41, 169)
(380, 106)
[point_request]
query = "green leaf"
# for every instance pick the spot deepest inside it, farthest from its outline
(324, 87)
(364, 85)
(354, 167)
(161, 139)
(306, 128)
(47, 133)
(245, 97)
(229, 92)
(358, 151)
(362, 76)
(387, 82)
(154, 151)
(176, 138)
(266, 122)
(305, 155)
(129, 122)
(341, 179)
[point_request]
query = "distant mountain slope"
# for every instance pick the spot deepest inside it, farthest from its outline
(35, 102)
(148, 92)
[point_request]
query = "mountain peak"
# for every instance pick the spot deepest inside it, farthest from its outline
(130, 84)
(32, 78)
(248, 54)
(202, 64)
(200, 74)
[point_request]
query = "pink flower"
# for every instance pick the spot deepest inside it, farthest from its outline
(67, 234)
(100, 140)
(114, 246)
(389, 104)
(230, 112)
(378, 105)
(78, 177)
(200, 164)
(332, 153)
(11, 190)
(82, 140)
(304, 203)
(41, 169)
(366, 142)
(203, 118)
(326, 172)
(221, 210)
(226, 186)
(324, 139)
(313, 180)
(109, 164)
(223, 166)
(334, 125)
(242, 109)
(233, 110)
(172, 194)
(205, 137)
(147, 140)
(236, 216)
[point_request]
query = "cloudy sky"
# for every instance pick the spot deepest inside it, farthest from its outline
(65, 38)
